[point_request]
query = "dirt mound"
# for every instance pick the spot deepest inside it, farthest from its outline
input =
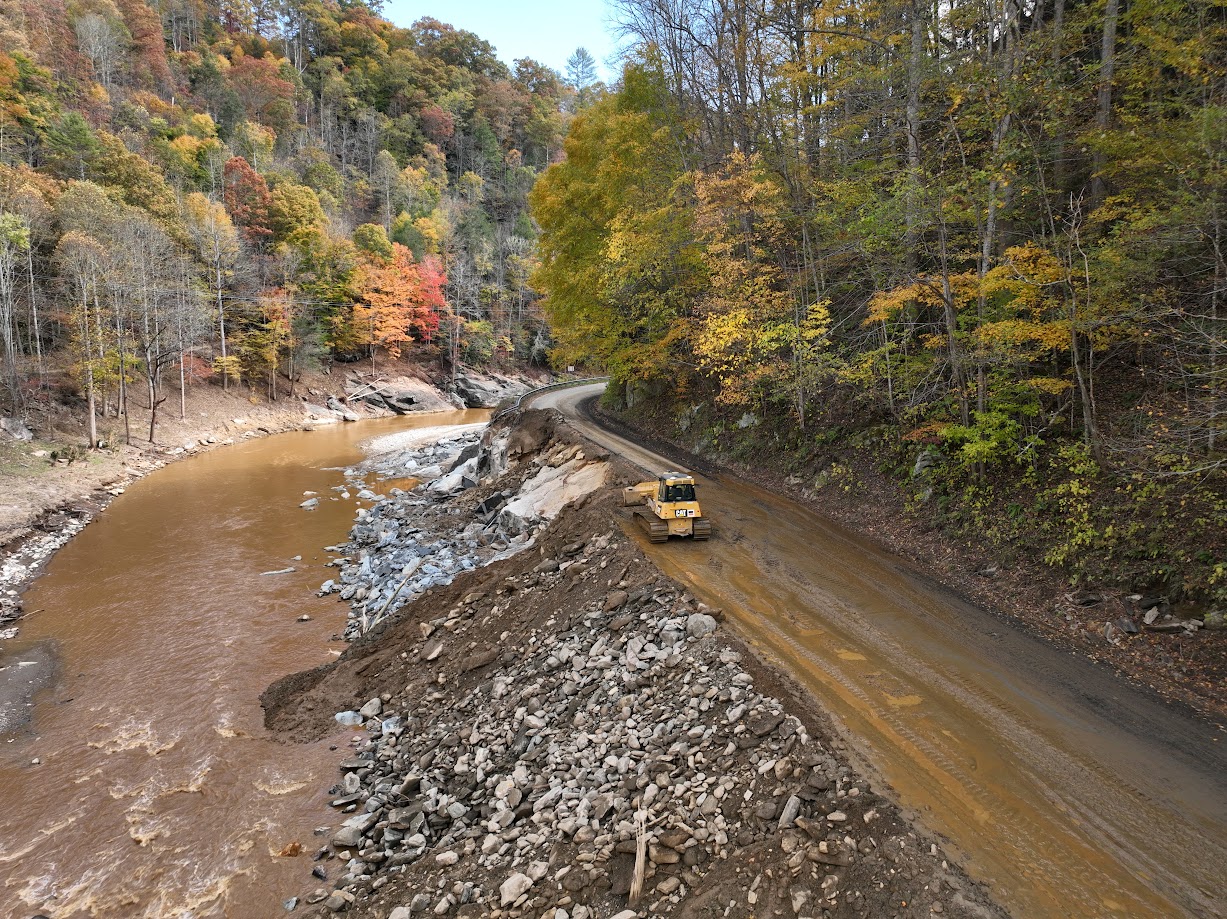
(534, 725)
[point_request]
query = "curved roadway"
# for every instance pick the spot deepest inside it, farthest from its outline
(1065, 789)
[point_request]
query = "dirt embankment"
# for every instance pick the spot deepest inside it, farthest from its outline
(562, 729)
(1184, 665)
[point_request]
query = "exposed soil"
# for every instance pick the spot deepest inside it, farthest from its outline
(505, 619)
(1186, 668)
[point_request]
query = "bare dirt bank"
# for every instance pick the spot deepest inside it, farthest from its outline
(50, 487)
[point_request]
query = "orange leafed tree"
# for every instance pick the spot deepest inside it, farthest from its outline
(400, 301)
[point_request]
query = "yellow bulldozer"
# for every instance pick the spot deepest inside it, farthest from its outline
(667, 507)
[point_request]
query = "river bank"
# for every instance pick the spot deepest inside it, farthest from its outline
(144, 784)
(562, 731)
(52, 488)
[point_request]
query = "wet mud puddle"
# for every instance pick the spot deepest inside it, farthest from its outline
(156, 791)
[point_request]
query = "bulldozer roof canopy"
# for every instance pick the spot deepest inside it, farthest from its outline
(677, 478)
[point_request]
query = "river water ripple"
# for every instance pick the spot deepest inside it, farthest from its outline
(158, 793)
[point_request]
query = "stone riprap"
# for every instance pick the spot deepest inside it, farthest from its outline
(532, 790)
(20, 565)
(412, 540)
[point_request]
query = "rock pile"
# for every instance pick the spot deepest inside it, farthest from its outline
(568, 735)
(410, 541)
(619, 745)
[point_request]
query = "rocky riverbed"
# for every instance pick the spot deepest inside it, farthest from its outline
(552, 728)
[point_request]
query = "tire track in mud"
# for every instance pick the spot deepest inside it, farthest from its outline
(938, 757)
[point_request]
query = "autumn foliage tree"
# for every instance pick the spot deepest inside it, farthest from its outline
(993, 231)
(401, 301)
(248, 200)
(241, 145)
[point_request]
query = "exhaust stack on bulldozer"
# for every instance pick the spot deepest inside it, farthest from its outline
(667, 507)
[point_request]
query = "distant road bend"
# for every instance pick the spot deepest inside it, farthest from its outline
(1068, 791)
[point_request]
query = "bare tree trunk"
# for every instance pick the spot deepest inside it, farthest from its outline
(1058, 54)
(1086, 392)
(951, 320)
(221, 321)
(122, 405)
(34, 320)
(1216, 294)
(182, 382)
(88, 349)
(1103, 116)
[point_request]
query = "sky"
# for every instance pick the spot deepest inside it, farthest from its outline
(548, 31)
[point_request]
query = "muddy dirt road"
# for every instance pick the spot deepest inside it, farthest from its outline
(1066, 790)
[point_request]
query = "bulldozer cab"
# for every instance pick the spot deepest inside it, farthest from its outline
(675, 491)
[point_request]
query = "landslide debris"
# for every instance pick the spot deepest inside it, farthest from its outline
(564, 728)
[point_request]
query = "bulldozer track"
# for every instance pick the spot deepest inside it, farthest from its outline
(701, 528)
(657, 530)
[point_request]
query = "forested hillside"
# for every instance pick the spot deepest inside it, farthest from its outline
(237, 189)
(982, 245)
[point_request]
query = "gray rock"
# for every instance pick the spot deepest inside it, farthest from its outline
(792, 807)
(699, 625)
(514, 887)
(924, 462)
(16, 429)
(351, 831)
(372, 708)
(344, 411)
(338, 901)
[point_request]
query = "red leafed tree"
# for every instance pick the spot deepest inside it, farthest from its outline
(437, 125)
(434, 279)
(266, 95)
(400, 301)
(248, 200)
(149, 65)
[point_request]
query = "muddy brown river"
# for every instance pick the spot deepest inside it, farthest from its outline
(1064, 789)
(157, 792)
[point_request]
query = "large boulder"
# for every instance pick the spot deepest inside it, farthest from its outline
(400, 395)
(336, 405)
(317, 414)
(16, 429)
(478, 390)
